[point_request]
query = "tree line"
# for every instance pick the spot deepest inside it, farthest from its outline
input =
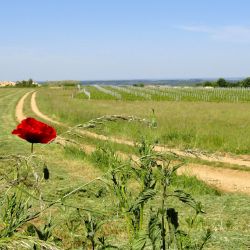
(26, 83)
(222, 83)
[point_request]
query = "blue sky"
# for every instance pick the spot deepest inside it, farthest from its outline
(124, 39)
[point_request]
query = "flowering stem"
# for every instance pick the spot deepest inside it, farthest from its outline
(32, 148)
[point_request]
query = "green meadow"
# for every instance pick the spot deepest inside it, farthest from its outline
(207, 126)
(97, 199)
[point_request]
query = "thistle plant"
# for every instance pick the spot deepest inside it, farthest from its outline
(151, 219)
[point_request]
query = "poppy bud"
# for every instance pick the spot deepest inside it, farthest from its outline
(45, 172)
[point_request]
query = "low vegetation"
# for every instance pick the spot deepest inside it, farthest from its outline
(207, 126)
(66, 83)
(26, 84)
(63, 197)
(222, 83)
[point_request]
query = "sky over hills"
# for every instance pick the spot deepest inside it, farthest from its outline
(127, 39)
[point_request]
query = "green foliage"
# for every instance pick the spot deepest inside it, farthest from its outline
(105, 157)
(193, 185)
(29, 83)
(154, 231)
(92, 228)
(15, 212)
(245, 83)
(74, 152)
(153, 174)
(122, 196)
(45, 233)
(221, 82)
(138, 85)
(64, 83)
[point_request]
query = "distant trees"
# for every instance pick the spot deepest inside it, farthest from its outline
(208, 84)
(29, 83)
(222, 83)
(246, 82)
(138, 85)
(63, 83)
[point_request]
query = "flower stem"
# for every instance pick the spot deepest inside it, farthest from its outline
(32, 148)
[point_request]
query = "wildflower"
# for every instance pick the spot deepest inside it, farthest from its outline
(34, 131)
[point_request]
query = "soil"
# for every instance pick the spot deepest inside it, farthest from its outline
(228, 180)
(19, 108)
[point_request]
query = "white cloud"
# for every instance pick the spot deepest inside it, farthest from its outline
(239, 34)
(197, 28)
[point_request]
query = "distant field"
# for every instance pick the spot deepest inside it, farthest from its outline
(210, 126)
(165, 93)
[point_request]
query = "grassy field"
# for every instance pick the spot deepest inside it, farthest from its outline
(165, 93)
(208, 126)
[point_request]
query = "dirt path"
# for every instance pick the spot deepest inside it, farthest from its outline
(38, 113)
(225, 179)
(19, 108)
(228, 180)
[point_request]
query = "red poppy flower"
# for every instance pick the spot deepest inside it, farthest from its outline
(34, 131)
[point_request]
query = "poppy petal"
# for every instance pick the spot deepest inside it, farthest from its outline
(35, 131)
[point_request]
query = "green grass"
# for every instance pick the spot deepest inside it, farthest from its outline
(74, 153)
(95, 94)
(226, 214)
(229, 95)
(8, 103)
(164, 93)
(212, 127)
(127, 96)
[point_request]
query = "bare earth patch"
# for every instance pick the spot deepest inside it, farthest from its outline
(19, 108)
(224, 179)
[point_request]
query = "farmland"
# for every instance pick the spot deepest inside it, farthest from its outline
(208, 126)
(79, 192)
(164, 93)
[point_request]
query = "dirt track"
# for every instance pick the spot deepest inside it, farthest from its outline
(37, 111)
(225, 179)
(19, 107)
(222, 178)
